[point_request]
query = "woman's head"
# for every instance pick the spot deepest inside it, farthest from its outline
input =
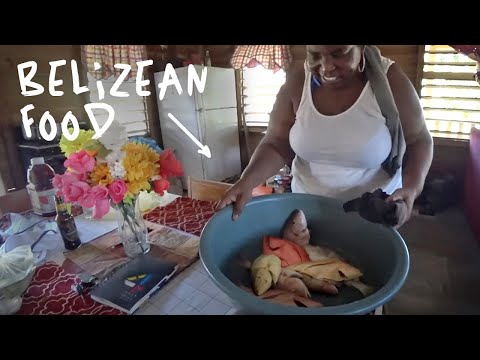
(336, 65)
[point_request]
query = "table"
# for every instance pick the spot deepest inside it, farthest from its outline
(190, 292)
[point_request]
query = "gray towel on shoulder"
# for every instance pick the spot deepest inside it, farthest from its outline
(381, 88)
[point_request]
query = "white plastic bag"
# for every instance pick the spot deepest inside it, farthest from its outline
(48, 241)
(16, 272)
(12, 223)
(15, 265)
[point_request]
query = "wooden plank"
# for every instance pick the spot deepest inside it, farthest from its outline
(452, 87)
(447, 76)
(439, 134)
(450, 110)
(454, 121)
(441, 52)
(471, 99)
(452, 63)
(439, 48)
(419, 69)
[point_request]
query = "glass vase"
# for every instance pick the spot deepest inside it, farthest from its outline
(132, 229)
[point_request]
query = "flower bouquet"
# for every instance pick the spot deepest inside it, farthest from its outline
(111, 172)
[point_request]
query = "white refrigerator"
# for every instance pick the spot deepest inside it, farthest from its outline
(211, 117)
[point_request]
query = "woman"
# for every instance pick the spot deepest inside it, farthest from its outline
(327, 122)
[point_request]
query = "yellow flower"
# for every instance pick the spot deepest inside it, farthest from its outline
(135, 187)
(140, 164)
(101, 175)
(76, 145)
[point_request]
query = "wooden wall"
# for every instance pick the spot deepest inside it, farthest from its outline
(12, 101)
(11, 56)
(447, 158)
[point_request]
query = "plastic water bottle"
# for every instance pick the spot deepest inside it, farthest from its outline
(40, 187)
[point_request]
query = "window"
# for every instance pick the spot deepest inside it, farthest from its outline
(130, 111)
(449, 94)
(260, 87)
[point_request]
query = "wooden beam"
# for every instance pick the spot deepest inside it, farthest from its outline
(152, 108)
(448, 76)
(419, 77)
(449, 110)
(458, 63)
(451, 98)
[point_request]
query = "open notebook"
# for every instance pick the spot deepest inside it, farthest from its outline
(134, 282)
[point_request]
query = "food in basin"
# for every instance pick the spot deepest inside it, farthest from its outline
(302, 254)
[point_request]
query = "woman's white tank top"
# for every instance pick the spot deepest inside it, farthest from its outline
(340, 156)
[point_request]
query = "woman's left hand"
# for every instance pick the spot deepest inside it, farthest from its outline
(408, 196)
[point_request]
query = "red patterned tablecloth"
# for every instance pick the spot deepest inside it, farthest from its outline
(51, 293)
(185, 214)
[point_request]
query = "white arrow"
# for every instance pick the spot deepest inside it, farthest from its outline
(203, 149)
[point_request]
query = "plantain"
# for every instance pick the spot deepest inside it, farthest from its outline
(265, 272)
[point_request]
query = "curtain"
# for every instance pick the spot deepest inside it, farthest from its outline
(272, 57)
(109, 55)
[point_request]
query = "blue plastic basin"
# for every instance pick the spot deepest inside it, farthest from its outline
(379, 251)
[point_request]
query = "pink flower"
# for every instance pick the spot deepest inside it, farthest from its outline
(74, 190)
(102, 205)
(96, 197)
(61, 181)
(87, 200)
(68, 177)
(117, 190)
(80, 161)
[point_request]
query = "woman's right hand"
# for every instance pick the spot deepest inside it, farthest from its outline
(238, 195)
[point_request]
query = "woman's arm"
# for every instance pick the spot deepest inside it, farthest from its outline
(419, 151)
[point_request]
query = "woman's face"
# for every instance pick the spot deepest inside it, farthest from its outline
(335, 65)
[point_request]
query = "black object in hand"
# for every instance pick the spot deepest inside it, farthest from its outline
(374, 208)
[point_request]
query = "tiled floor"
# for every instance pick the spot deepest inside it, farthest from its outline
(190, 293)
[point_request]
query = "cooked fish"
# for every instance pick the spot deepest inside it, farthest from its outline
(320, 285)
(284, 297)
(292, 281)
(316, 253)
(295, 228)
(324, 275)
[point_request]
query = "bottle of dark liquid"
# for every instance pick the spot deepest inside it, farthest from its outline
(66, 225)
